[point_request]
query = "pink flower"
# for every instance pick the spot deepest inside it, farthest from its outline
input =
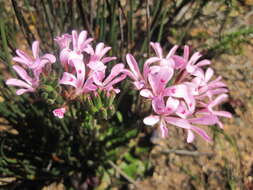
(134, 72)
(97, 62)
(168, 61)
(64, 41)
(164, 117)
(185, 95)
(182, 91)
(59, 112)
(157, 82)
(206, 88)
(79, 44)
(27, 84)
(185, 124)
(162, 110)
(78, 82)
(36, 63)
(208, 109)
(113, 78)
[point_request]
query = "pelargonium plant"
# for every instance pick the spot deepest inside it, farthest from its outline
(84, 70)
(181, 91)
(77, 90)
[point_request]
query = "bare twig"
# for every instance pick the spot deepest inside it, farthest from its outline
(23, 24)
(85, 20)
(148, 27)
(187, 152)
(124, 175)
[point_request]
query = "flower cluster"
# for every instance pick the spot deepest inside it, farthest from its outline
(30, 69)
(84, 68)
(181, 91)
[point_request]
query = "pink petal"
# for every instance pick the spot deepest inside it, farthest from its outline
(157, 48)
(64, 56)
(21, 60)
(180, 63)
(81, 39)
(139, 84)
(194, 58)
(182, 110)
(23, 74)
(116, 70)
(223, 114)
(164, 129)
(186, 52)
(130, 74)
(108, 59)
(68, 79)
(208, 119)
(190, 136)
(146, 93)
(59, 112)
(158, 105)
(97, 79)
(97, 66)
(63, 40)
(172, 51)
(218, 100)
(151, 60)
(89, 86)
(171, 105)
(178, 122)
(22, 91)
(151, 120)
(203, 63)
(17, 82)
(104, 51)
(209, 74)
(133, 66)
(99, 49)
(202, 133)
(74, 40)
(198, 72)
(51, 58)
(218, 91)
(159, 80)
(80, 71)
(24, 56)
(35, 49)
(116, 80)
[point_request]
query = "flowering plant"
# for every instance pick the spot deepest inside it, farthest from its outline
(76, 92)
(180, 91)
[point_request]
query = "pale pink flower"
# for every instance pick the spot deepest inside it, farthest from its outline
(79, 45)
(209, 88)
(185, 124)
(164, 117)
(182, 91)
(27, 84)
(36, 63)
(162, 110)
(134, 73)
(97, 62)
(184, 95)
(209, 108)
(78, 82)
(59, 112)
(167, 61)
(112, 79)
(157, 82)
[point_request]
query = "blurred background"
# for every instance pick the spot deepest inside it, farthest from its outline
(222, 30)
